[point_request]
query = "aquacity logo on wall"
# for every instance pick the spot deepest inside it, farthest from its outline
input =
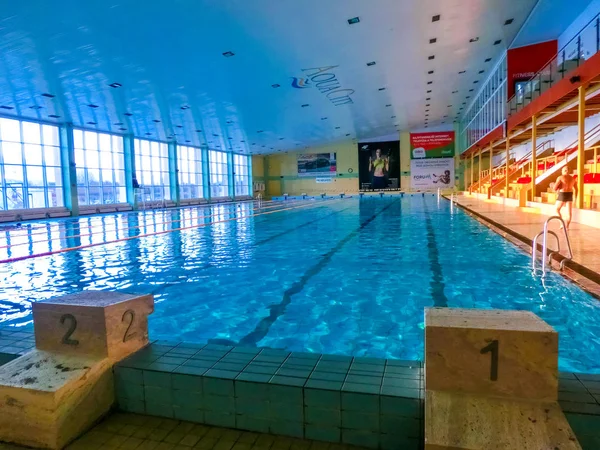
(326, 82)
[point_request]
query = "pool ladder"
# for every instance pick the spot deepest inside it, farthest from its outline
(547, 257)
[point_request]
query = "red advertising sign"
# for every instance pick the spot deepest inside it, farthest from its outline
(432, 145)
(524, 62)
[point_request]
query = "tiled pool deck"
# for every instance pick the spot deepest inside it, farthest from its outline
(222, 397)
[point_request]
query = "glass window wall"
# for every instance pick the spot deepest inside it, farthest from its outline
(152, 169)
(190, 172)
(219, 180)
(241, 169)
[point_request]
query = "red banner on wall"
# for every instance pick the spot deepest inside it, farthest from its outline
(524, 62)
(432, 145)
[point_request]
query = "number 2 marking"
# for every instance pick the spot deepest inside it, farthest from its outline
(493, 348)
(131, 314)
(72, 327)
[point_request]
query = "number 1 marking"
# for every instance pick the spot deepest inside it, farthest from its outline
(492, 347)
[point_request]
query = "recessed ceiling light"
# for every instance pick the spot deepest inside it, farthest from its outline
(488, 59)
(48, 95)
(198, 131)
(35, 107)
(427, 104)
(242, 141)
(6, 107)
(156, 121)
(254, 143)
(430, 82)
(497, 42)
(281, 139)
(353, 21)
(305, 105)
(122, 129)
(387, 106)
(323, 118)
(260, 131)
(428, 98)
(468, 96)
(461, 72)
(119, 123)
(229, 121)
(54, 116)
(454, 92)
(471, 90)
(229, 138)
(228, 54)
(475, 39)
(215, 135)
(481, 71)
(148, 134)
(382, 89)
(115, 85)
(92, 123)
(91, 105)
(449, 106)
(430, 72)
(348, 134)
(435, 18)
(128, 114)
(184, 107)
(337, 128)
(188, 141)
(275, 86)
(430, 57)
(429, 92)
(426, 110)
(476, 81)
(432, 40)
(508, 22)
(393, 117)
(372, 63)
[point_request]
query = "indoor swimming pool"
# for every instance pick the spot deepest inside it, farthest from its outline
(341, 276)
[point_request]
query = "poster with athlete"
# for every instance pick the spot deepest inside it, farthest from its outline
(379, 165)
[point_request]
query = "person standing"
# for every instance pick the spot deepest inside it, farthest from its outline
(566, 186)
(380, 167)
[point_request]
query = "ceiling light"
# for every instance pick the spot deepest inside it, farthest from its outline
(435, 18)
(387, 106)
(337, 128)
(508, 22)
(184, 107)
(461, 72)
(323, 118)
(353, 21)
(92, 105)
(128, 114)
(54, 116)
(156, 121)
(275, 86)
(429, 92)
(305, 105)
(348, 134)
(475, 39)
(215, 135)
(119, 123)
(430, 72)
(481, 71)
(431, 57)
(427, 104)
(48, 95)
(228, 54)
(449, 106)
(432, 40)
(148, 134)
(476, 81)
(6, 107)
(188, 141)
(229, 121)
(229, 138)
(430, 82)
(497, 42)
(471, 90)
(198, 131)
(122, 129)
(92, 123)
(382, 89)
(115, 85)
(393, 117)
(372, 63)
(454, 92)
(35, 107)
(488, 59)
(260, 131)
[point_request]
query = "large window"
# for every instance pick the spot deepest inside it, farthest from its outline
(242, 175)
(219, 182)
(99, 159)
(30, 168)
(152, 169)
(190, 172)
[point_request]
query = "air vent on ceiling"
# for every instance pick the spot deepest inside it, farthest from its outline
(432, 40)
(436, 18)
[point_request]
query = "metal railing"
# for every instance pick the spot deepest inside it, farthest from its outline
(579, 49)
(547, 257)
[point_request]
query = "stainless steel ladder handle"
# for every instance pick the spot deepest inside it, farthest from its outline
(545, 254)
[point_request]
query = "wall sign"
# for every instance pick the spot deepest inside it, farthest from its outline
(379, 165)
(324, 180)
(326, 82)
(432, 145)
(432, 173)
(317, 164)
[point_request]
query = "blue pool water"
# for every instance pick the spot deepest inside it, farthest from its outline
(347, 276)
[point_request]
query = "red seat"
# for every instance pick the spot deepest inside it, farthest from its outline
(524, 180)
(494, 180)
(544, 166)
(591, 178)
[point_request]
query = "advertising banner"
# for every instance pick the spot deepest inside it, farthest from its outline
(432, 145)
(317, 165)
(432, 173)
(379, 165)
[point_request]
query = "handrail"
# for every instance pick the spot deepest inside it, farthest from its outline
(545, 254)
(546, 71)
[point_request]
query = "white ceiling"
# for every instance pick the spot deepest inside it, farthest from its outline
(169, 53)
